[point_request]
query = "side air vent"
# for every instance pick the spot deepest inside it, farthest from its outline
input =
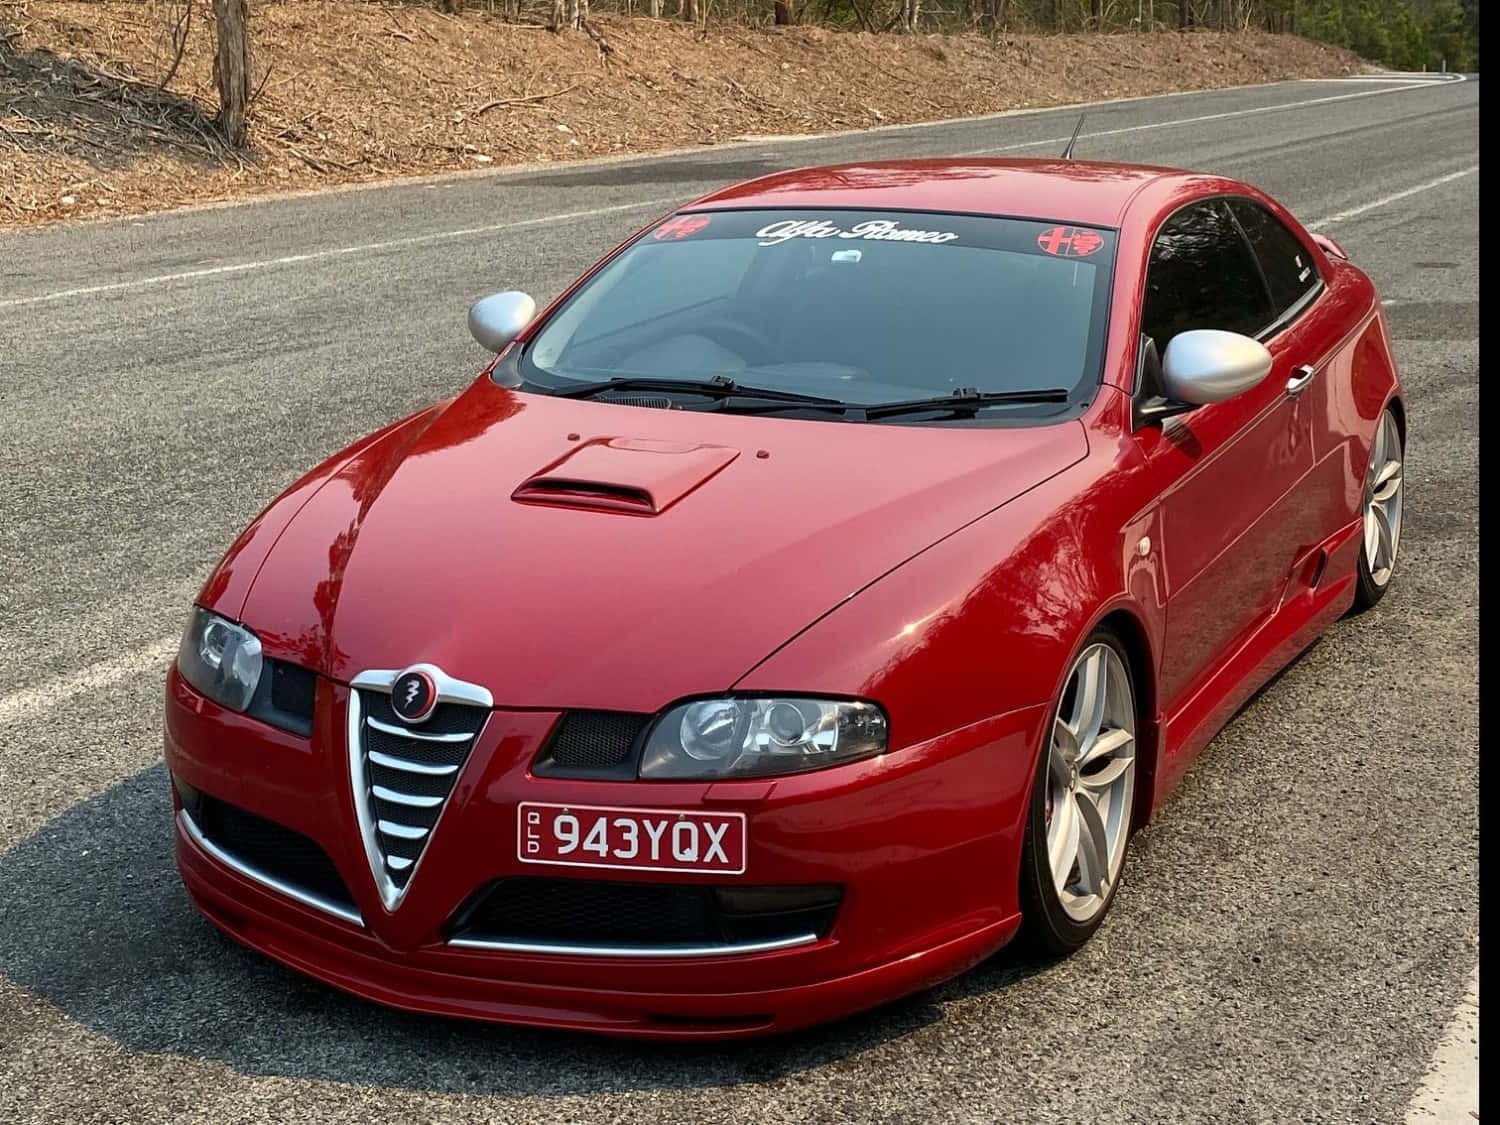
(403, 772)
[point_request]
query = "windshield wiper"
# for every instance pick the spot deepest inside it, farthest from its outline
(965, 400)
(719, 387)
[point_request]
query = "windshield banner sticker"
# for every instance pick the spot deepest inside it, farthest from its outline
(1069, 242)
(680, 226)
(881, 230)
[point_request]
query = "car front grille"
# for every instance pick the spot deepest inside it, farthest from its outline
(598, 913)
(403, 776)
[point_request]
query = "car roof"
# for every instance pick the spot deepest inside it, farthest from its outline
(1092, 193)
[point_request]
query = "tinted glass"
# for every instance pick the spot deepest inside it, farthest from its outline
(1288, 266)
(862, 306)
(1202, 276)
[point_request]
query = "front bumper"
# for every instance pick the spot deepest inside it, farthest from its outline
(925, 843)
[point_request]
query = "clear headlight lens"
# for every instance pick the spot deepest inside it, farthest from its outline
(220, 659)
(734, 737)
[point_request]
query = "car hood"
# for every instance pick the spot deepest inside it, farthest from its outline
(586, 554)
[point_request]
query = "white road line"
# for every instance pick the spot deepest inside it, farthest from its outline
(1449, 1094)
(28, 701)
(336, 252)
(442, 236)
(1342, 216)
(1224, 116)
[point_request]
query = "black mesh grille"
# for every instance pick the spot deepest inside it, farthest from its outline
(446, 718)
(267, 846)
(426, 753)
(594, 912)
(591, 740)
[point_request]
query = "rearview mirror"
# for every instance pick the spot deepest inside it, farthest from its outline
(498, 319)
(1207, 365)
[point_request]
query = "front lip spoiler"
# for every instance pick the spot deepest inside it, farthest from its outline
(568, 949)
(256, 875)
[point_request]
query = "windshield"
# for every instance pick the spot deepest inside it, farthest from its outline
(863, 307)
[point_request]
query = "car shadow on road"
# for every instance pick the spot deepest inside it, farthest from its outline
(94, 920)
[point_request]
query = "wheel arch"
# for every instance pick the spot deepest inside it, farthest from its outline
(1398, 409)
(1132, 633)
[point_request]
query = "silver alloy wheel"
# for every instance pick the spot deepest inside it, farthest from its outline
(1090, 782)
(1383, 501)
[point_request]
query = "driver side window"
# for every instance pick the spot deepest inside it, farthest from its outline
(1202, 275)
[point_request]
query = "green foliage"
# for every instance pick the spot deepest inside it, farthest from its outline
(1404, 34)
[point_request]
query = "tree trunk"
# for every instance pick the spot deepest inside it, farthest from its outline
(1184, 14)
(783, 13)
(559, 15)
(577, 11)
(1096, 14)
(656, 9)
(911, 11)
(690, 11)
(232, 67)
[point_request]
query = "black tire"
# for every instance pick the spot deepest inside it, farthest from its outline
(1046, 928)
(1367, 592)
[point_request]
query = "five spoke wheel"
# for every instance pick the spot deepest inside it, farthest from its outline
(1090, 782)
(1382, 502)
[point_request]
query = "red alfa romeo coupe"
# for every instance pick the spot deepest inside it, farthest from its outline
(816, 594)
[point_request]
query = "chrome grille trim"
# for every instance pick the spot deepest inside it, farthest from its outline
(410, 800)
(410, 732)
(270, 882)
(392, 871)
(400, 831)
(737, 949)
(410, 767)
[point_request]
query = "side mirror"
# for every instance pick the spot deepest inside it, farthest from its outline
(1207, 365)
(498, 319)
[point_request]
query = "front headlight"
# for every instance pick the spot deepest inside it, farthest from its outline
(732, 737)
(220, 659)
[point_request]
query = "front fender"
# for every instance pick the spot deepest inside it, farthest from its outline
(228, 585)
(984, 621)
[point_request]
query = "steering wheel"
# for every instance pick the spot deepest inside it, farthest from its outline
(732, 332)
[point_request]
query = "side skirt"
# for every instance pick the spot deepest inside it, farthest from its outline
(1319, 593)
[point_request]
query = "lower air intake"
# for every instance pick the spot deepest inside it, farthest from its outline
(596, 913)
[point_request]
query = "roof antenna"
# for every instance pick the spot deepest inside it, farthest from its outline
(1067, 153)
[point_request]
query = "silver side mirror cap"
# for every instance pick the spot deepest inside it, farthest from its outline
(1208, 365)
(498, 319)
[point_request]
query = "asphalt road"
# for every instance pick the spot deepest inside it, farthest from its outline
(1295, 930)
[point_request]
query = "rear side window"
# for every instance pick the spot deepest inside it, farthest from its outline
(1202, 275)
(1288, 266)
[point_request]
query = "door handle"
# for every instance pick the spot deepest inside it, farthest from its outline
(1301, 377)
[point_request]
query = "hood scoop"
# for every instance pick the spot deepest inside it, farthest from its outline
(631, 475)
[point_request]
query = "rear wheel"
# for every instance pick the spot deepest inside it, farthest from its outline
(1381, 507)
(1082, 801)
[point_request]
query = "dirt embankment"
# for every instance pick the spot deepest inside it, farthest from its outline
(358, 91)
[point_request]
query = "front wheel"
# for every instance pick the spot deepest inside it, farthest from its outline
(1082, 800)
(1381, 509)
